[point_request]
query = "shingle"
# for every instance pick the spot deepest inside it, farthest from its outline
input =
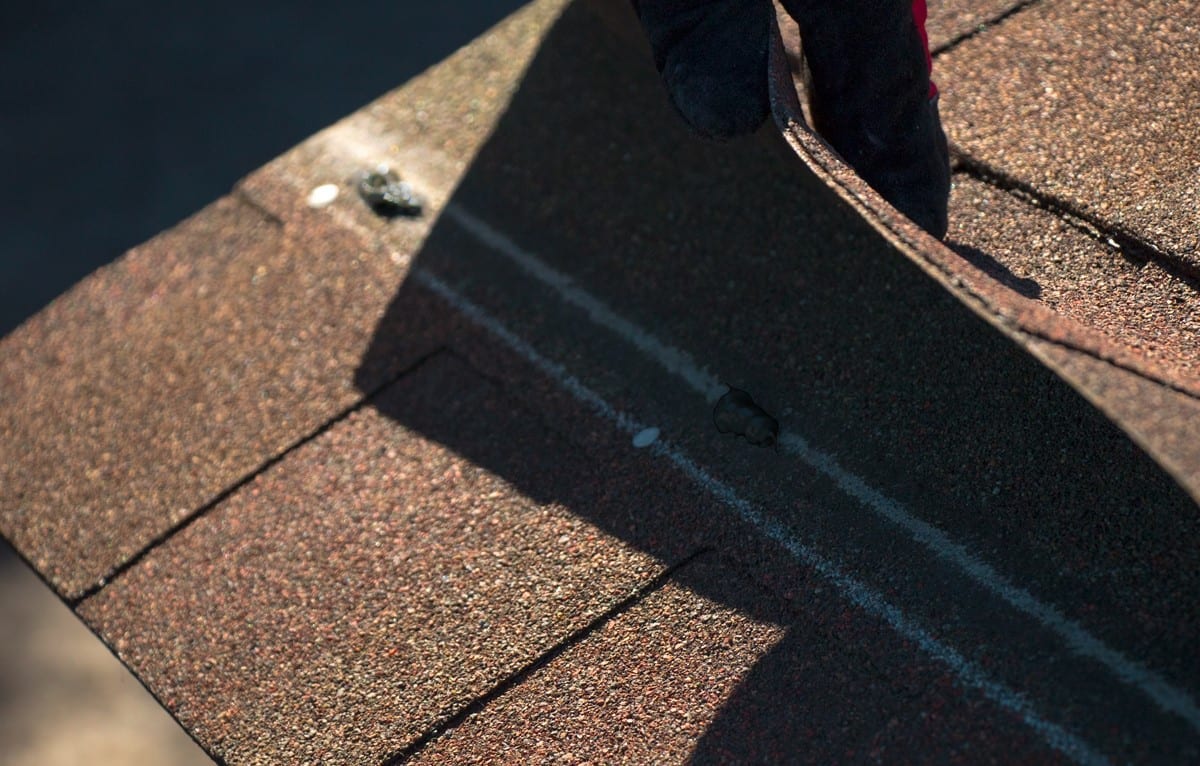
(165, 378)
(1147, 309)
(375, 580)
(1090, 104)
(712, 669)
(952, 19)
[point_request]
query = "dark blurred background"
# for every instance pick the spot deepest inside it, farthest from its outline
(117, 120)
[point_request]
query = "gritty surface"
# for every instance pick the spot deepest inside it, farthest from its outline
(1150, 408)
(463, 547)
(183, 101)
(1137, 302)
(168, 376)
(1097, 111)
(692, 673)
(842, 342)
(950, 20)
(375, 581)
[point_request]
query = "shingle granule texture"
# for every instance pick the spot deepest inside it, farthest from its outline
(1148, 309)
(1092, 104)
(951, 19)
(168, 376)
(643, 688)
(459, 560)
(711, 669)
(373, 581)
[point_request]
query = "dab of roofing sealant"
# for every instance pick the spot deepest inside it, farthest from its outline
(387, 195)
(737, 413)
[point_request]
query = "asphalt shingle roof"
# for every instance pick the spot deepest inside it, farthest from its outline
(342, 489)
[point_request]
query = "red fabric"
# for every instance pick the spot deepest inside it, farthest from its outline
(920, 14)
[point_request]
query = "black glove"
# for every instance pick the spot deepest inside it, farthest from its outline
(871, 97)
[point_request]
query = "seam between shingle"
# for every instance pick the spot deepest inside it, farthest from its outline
(1126, 245)
(135, 558)
(244, 198)
(520, 675)
(983, 26)
(1129, 245)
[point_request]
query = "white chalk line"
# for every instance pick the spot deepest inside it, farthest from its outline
(969, 674)
(1076, 637)
(675, 360)
(678, 362)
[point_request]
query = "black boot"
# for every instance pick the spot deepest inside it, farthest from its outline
(712, 55)
(871, 99)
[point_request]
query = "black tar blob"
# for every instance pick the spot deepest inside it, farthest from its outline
(737, 413)
(387, 195)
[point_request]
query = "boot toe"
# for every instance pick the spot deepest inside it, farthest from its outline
(715, 104)
(713, 60)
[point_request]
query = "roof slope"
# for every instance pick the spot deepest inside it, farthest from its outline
(348, 489)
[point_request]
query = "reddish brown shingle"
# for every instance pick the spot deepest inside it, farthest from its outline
(374, 581)
(1091, 104)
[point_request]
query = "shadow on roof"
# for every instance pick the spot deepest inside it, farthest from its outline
(727, 252)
